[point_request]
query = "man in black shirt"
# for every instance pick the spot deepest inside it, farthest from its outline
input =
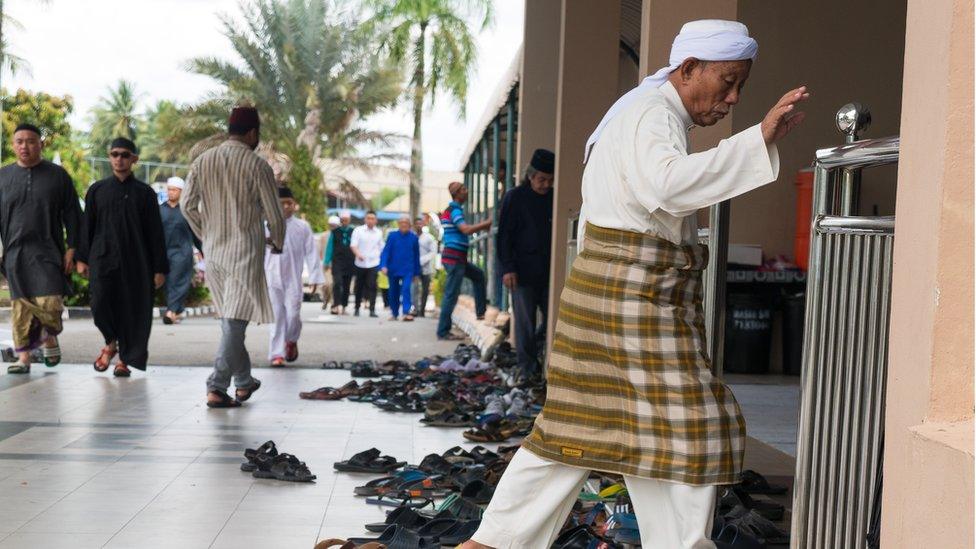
(524, 241)
(39, 211)
(340, 258)
(123, 249)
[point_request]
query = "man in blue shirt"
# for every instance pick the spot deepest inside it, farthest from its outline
(455, 259)
(400, 262)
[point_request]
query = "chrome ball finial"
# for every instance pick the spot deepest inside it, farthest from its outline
(852, 119)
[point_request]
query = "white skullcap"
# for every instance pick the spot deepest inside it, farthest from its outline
(345, 213)
(707, 40)
(175, 182)
(334, 220)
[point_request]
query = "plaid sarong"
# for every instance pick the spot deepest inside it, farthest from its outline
(630, 389)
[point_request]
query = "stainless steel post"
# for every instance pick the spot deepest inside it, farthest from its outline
(715, 283)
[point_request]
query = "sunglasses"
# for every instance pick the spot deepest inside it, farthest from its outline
(121, 154)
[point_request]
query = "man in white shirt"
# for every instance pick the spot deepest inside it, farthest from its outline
(428, 256)
(367, 244)
(630, 389)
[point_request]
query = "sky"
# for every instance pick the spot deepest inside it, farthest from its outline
(81, 47)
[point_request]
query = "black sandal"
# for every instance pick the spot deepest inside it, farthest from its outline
(284, 467)
(251, 454)
(368, 461)
(224, 402)
(754, 483)
(247, 392)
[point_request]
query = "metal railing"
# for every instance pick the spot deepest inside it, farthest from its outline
(845, 348)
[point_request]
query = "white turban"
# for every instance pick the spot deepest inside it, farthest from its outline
(707, 40)
(176, 182)
(334, 220)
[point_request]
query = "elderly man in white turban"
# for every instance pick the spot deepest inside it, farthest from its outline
(180, 242)
(629, 384)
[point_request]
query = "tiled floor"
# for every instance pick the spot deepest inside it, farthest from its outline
(90, 461)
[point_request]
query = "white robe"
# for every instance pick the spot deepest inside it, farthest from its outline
(640, 177)
(284, 274)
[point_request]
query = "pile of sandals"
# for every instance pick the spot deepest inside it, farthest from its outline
(463, 481)
(455, 391)
(440, 501)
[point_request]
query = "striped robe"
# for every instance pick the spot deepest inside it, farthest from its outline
(230, 193)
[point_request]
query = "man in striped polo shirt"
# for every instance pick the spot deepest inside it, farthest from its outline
(455, 259)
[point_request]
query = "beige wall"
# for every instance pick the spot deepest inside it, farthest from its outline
(587, 86)
(844, 51)
(928, 476)
(539, 77)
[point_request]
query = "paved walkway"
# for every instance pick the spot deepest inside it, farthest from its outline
(87, 460)
(324, 337)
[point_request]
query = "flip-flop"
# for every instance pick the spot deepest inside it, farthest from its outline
(247, 391)
(406, 517)
(398, 537)
(331, 393)
(392, 483)
(225, 400)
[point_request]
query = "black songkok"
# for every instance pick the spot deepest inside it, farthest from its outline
(28, 127)
(124, 143)
(543, 161)
(243, 120)
(285, 192)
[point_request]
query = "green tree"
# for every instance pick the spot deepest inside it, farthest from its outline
(114, 116)
(433, 39)
(313, 74)
(49, 113)
(384, 197)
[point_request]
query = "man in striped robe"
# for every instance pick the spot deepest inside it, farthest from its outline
(230, 195)
(630, 389)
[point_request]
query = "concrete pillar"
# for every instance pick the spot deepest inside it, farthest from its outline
(928, 470)
(537, 87)
(587, 86)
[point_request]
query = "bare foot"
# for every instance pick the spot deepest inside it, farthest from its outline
(471, 544)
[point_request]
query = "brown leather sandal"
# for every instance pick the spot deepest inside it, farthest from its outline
(101, 363)
(121, 370)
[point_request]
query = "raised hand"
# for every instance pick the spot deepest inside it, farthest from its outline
(783, 117)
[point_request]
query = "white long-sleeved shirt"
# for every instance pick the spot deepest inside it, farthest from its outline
(640, 177)
(284, 270)
(428, 253)
(369, 243)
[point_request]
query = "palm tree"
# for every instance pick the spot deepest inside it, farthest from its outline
(433, 38)
(300, 55)
(312, 74)
(114, 116)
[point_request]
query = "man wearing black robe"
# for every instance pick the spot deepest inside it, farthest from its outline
(39, 224)
(123, 250)
(524, 242)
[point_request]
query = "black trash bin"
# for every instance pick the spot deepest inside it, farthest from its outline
(748, 333)
(794, 311)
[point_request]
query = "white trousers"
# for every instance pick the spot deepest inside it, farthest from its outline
(287, 307)
(535, 496)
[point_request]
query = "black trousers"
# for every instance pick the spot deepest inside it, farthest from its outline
(366, 287)
(420, 294)
(341, 282)
(526, 301)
